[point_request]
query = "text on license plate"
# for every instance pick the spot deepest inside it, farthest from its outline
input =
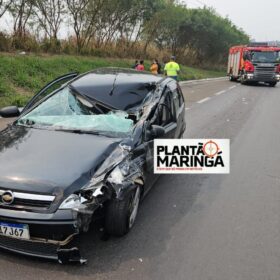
(19, 231)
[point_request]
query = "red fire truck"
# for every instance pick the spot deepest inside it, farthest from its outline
(253, 63)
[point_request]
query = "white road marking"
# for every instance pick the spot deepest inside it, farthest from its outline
(203, 100)
(223, 91)
(187, 109)
(203, 80)
(220, 92)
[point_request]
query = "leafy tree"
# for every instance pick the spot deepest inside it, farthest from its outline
(129, 27)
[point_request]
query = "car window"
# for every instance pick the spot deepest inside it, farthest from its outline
(177, 101)
(181, 97)
(165, 114)
(48, 89)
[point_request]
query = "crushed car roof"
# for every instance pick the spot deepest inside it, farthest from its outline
(121, 89)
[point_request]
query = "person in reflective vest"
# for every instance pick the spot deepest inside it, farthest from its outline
(172, 68)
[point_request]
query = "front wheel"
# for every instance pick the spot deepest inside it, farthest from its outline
(231, 78)
(243, 80)
(121, 214)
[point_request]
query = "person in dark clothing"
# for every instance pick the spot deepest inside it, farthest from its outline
(135, 64)
(159, 66)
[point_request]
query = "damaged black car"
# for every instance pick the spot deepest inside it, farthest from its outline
(83, 145)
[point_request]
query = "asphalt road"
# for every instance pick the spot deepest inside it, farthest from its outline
(198, 227)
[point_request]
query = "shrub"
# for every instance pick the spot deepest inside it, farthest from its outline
(5, 42)
(26, 43)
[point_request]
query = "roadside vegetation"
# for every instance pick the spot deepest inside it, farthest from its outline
(21, 76)
(119, 28)
(60, 36)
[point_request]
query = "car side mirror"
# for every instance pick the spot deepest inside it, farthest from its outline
(157, 131)
(9, 112)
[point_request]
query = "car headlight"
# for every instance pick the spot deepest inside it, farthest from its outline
(71, 202)
(76, 202)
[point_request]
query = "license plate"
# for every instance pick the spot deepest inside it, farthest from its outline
(19, 231)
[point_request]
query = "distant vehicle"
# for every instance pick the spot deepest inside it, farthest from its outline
(253, 63)
(81, 152)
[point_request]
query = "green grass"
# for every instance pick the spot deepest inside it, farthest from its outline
(21, 76)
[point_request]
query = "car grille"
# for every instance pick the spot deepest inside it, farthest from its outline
(29, 247)
(27, 201)
(264, 73)
(31, 203)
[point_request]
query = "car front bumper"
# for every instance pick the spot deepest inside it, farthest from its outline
(258, 78)
(52, 236)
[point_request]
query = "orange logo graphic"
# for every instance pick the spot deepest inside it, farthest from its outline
(211, 149)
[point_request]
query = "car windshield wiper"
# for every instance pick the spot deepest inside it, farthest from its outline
(78, 131)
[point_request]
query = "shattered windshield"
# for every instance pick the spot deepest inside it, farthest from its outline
(68, 111)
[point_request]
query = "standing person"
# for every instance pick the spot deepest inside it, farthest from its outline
(159, 66)
(172, 68)
(140, 67)
(154, 67)
(135, 64)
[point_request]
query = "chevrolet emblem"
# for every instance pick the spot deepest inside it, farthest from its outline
(8, 197)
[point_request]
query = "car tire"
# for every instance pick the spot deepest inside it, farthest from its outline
(243, 80)
(121, 214)
(272, 84)
(231, 78)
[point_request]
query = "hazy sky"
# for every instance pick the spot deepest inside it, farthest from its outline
(259, 18)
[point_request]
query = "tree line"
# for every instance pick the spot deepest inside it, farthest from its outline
(132, 28)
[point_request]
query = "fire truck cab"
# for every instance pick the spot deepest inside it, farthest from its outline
(253, 63)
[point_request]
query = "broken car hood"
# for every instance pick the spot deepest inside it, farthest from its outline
(44, 161)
